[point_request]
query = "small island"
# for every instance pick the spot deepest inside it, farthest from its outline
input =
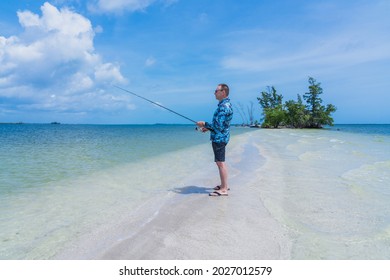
(296, 114)
(305, 112)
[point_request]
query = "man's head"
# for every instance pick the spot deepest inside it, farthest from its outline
(222, 91)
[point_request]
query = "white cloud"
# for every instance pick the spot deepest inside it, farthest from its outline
(335, 50)
(150, 61)
(28, 19)
(99, 29)
(80, 82)
(122, 6)
(119, 6)
(361, 36)
(53, 64)
(108, 72)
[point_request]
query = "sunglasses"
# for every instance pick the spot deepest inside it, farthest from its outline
(218, 90)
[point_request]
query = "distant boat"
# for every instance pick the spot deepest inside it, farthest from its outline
(55, 123)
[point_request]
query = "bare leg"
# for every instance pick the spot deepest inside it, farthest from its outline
(223, 174)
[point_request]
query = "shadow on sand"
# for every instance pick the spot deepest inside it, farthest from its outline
(192, 190)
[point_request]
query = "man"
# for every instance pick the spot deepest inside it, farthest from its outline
(219, 135)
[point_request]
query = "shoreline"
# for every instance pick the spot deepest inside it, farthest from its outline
(195, 226)
(294, 195)
(186, 223)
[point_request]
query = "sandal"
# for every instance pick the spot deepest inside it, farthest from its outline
(217, 194)
(217, 188)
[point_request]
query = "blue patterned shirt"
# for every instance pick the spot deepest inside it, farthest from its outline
(220, 126)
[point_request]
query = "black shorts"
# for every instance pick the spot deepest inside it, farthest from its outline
(219, 151)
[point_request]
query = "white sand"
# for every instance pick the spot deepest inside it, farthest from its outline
(292, 197)
(196, 226)
(188, 224)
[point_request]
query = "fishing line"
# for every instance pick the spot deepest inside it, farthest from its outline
(155, 103)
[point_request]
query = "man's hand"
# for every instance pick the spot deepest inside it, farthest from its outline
(201, 123)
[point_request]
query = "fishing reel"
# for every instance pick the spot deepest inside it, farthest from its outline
(201, 129)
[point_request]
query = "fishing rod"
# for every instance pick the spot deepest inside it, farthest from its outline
(155, 103)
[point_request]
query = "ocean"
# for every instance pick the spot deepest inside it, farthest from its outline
(58, 183)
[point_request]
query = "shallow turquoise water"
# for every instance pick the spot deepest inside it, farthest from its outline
(34, 155)
(58, 182)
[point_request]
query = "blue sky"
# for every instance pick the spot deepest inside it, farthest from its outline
(60, 59)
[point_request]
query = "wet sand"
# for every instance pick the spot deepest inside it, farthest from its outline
(196, 226)
(188, 224)
(294, 195)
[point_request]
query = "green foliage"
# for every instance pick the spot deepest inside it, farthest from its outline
(274, 117)
(319, 115)
(270, 99)
(272, 107)
(295, 113)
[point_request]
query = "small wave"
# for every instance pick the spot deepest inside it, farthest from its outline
(373, 178)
